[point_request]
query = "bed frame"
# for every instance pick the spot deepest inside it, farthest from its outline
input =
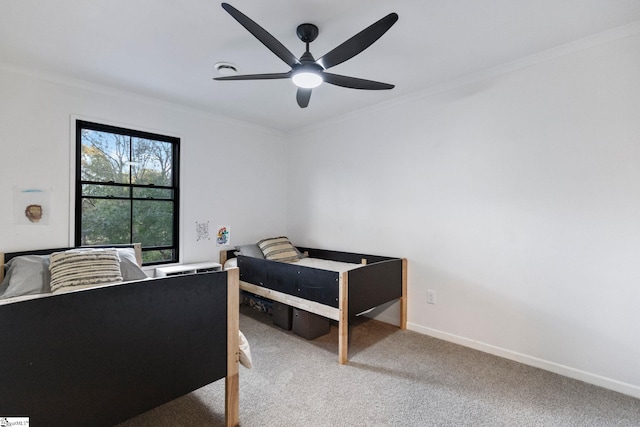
(337, 296)
(103, 355)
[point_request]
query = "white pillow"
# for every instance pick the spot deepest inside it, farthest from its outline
(231, 263)
(129, 265)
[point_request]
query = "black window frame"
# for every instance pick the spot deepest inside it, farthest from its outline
(175, 187)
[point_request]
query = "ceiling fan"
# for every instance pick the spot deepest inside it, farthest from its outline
(307, 72)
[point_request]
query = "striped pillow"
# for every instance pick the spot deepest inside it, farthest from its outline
(80, 269)
(278, 249)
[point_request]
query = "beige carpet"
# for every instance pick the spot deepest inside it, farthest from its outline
(394, 378)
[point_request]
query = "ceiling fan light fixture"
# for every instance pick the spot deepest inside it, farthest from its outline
(307, 79)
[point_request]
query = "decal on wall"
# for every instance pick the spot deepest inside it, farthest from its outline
(202, 231)
(31, 206)
(224, 235)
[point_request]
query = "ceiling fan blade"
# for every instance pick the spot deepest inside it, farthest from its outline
(261, 34)
(354, 82)
(269, 76)
(302, 96)
(358, 43)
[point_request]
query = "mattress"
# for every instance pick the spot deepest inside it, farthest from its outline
(322, 264)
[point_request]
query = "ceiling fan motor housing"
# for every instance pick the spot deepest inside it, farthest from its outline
(307, 32)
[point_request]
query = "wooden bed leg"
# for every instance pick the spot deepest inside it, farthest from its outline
(343, 321)
(232, 399)
(232, 381)
(403, 299)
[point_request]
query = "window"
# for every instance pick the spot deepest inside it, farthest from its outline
(127, 190)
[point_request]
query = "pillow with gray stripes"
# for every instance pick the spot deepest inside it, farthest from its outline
(75, 269)
(278, 249)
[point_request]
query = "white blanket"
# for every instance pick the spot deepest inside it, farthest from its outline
(322, 264)
(325, 264)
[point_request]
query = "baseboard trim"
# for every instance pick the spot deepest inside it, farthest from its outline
(567, 371)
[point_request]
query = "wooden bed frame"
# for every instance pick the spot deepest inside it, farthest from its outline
(336, 296)
(103, 355)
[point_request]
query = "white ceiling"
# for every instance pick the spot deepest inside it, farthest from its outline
(166, 49)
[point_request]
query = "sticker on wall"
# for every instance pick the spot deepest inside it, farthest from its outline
(31, 206)
(223, 237)
(202, 231)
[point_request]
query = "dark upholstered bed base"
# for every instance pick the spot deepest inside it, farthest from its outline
(100, 356)
(334, 295)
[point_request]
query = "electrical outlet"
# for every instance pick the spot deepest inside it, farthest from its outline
(431, 297)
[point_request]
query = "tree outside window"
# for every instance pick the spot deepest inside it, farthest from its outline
(127, 190)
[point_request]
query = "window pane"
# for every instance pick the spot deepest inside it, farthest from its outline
(105, 157)
(104, 191)
(153, 193)
(105, 221)
(156, 256)
(153, 222)
(152, 161)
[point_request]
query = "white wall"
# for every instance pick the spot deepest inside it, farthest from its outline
(516, 198)
(223, 163)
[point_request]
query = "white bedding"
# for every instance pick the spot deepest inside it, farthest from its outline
(24, 298)
(10, 300)
(323, 264)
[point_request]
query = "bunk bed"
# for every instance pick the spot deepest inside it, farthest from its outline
(101, 355)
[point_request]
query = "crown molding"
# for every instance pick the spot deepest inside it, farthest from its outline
(128, 95)
(583, 44)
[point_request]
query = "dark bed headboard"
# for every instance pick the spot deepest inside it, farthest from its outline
(9, 255)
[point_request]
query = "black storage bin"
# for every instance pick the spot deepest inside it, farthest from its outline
(309, 325)
(256, 302)
(282, 315)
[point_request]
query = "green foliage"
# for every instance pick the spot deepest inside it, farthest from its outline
(130, 172)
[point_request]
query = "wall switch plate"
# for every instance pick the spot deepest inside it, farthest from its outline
(431, 297)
